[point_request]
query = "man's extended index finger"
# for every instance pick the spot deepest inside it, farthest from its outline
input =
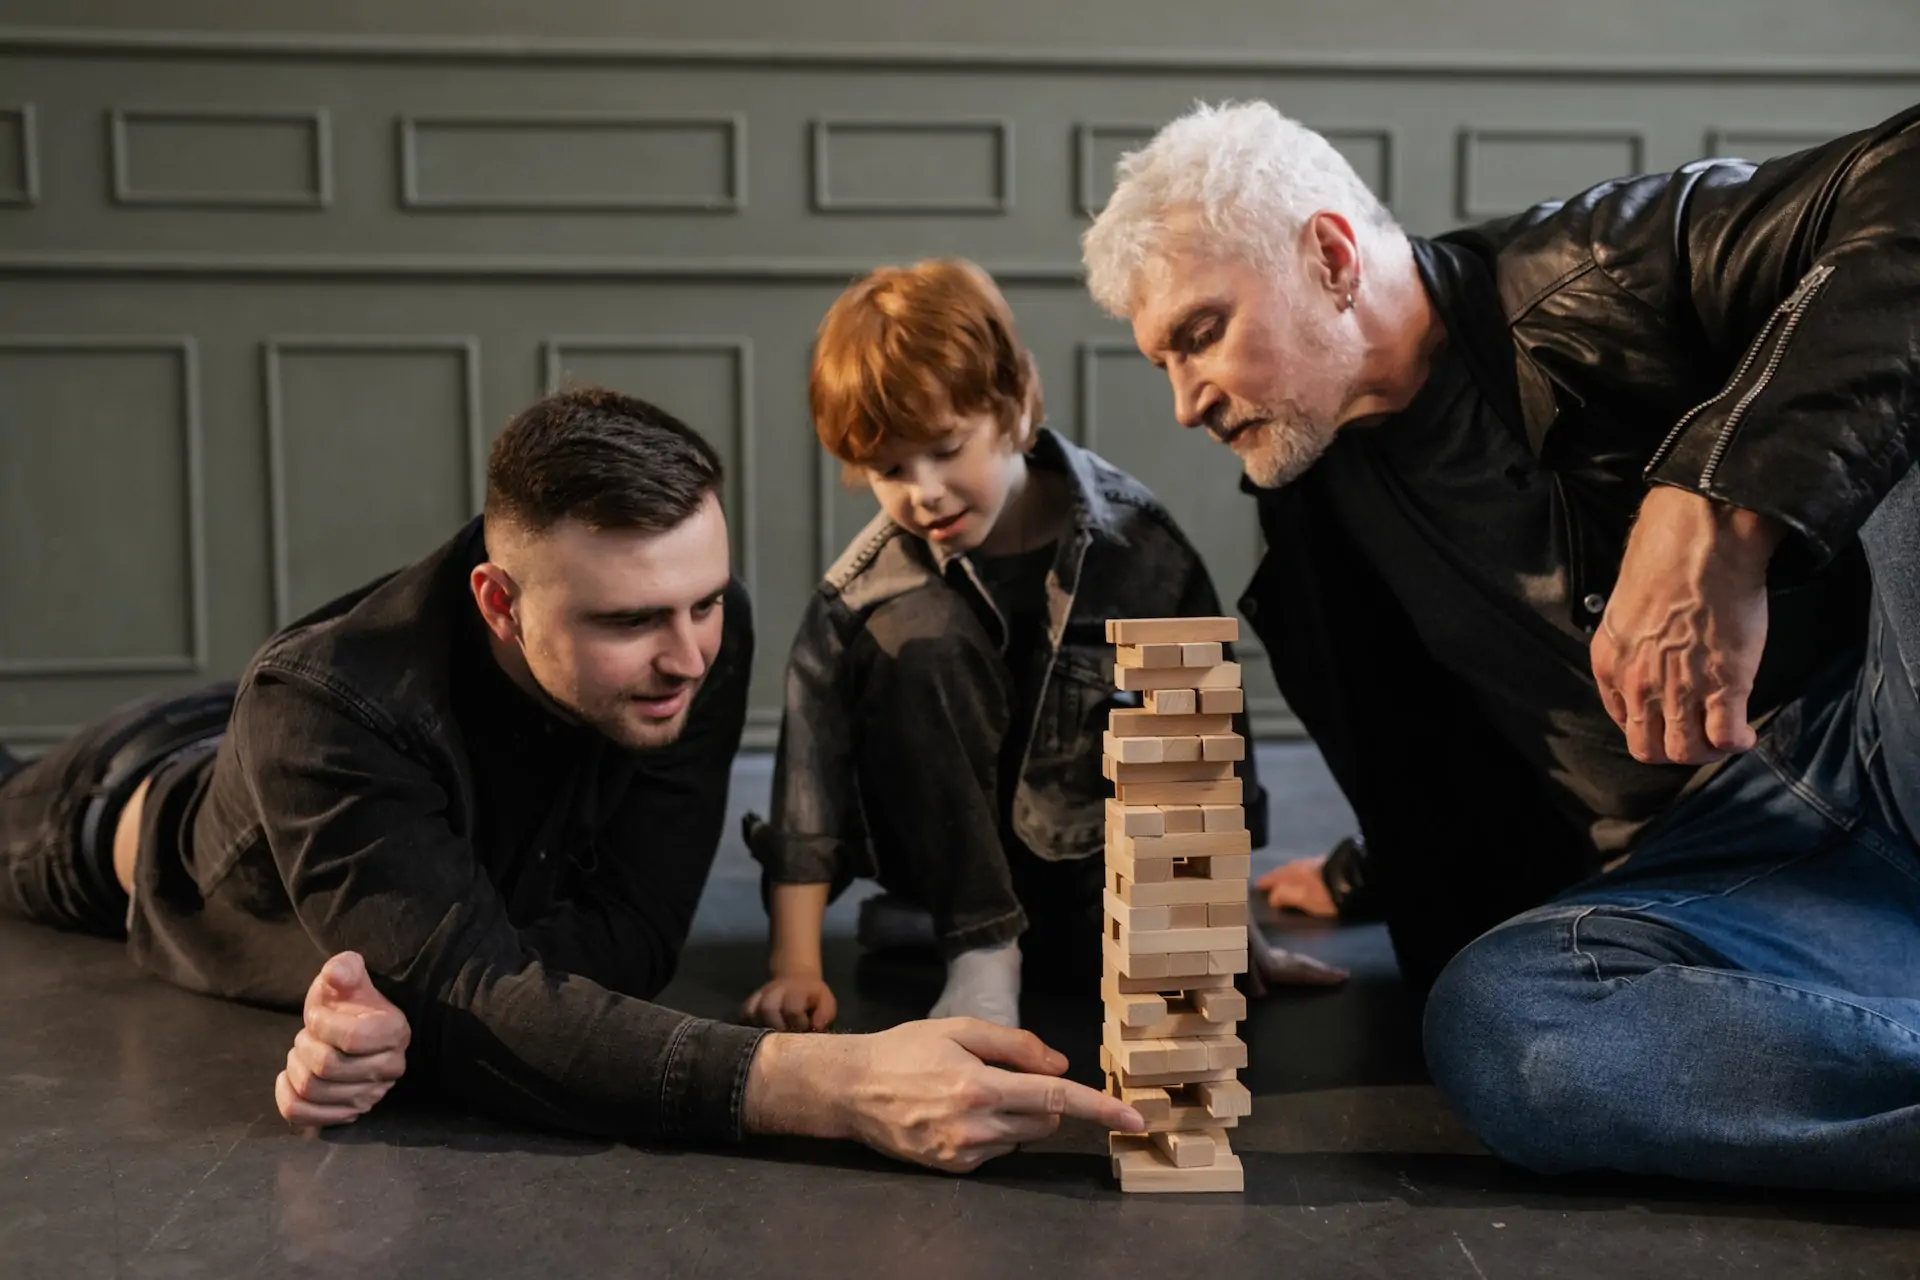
(1042, 1094)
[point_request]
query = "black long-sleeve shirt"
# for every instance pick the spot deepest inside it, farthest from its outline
(519, 886)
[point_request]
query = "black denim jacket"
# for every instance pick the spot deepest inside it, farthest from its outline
(343, 811)
(1124, 558)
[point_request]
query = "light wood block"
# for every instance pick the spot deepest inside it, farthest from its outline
(1222, 702)
(1171, 630)
(1133, 750)
(1181, 771)
(1224, 1052)
(1174, 892)
(1202, 653)
(1164, 1079)
(1138, 870)
(1135, 984)
(1154, 1105)
(1190, 844)
(1131, 1008)
(1130, 917)
(1185, 1150)
(1173, 702)
(1136, 820)
(1182, 819)
(1221, 791)
(1228, 961)
(1144, 722)
(1223, 817)
(1230, 867)
(1225, 675)
(1223, 746)
(1175, 965)
(1183, 915)
(1174, 1026)
(1174, 750)
(1222, 1004)
(1141, 942)
(1155, 1057)
(1150, 655)
(1223, 1099)
(1219, 914)
(1142, 1170)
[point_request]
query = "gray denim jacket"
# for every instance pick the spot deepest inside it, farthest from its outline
(1124, 558)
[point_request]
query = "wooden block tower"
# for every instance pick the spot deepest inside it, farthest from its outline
(1176, 905)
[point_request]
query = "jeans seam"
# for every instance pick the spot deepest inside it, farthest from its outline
(1813, 799)
(960, 938)
(1780, 984)
(1573, 941)
(1651, 903)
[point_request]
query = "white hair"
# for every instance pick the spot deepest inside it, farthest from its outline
(1239, 179)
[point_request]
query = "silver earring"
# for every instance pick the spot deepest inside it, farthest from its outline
(1348, 304)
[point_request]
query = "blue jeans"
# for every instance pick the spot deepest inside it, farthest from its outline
(1739, 1001)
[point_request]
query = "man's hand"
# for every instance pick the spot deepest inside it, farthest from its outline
(1300, 885)
(349, 1053)
(798, 1003)
(924, 1091)
(1269, 966)
(1676, 652)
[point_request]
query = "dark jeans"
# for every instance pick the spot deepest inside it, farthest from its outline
(56, 866)
(1741, 1000)
(936, 770)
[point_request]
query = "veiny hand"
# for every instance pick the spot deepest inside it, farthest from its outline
(924, 1091)
(1676, 652)
(1300, 886)
(794, 1003)
(348, 1054)
(1269, 966)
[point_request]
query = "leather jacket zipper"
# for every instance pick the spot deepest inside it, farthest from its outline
(1789, 312)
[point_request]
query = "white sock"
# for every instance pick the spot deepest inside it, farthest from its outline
(983, 983)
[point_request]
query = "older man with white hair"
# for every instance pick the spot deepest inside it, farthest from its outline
(1593, 538)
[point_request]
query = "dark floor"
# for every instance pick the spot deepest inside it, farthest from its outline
(138, 1137)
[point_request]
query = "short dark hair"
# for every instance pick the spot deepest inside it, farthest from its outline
(608, 460)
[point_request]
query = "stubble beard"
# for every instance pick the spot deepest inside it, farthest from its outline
(1285, 446)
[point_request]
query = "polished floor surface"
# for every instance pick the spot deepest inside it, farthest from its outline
(137, 1138)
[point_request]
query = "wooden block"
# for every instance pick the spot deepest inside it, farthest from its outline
(1220, 791)
(1172, 702)
(1222, 1004)
(1150, 655)
(1190, 844)
(1224, 1099)
(1176, 891)
(1185, 1150)
(1227, 961)
(1223, 817)
(1182, 819)
(1181, 771)
(1224, 675)
(1164, 1079)
(1222, 702)
(1183, 915)
(1223, 1052)
(1134, 984)
(1142, 1170)
(1174, 750)
(1232, 867)
(1134, 1008)
(1171, 630)
(1144, 722)
(1177, 968)
(1138, 870)
(1134, 750)
(1202, 653)
(1174, 1026)
(1140, 942)
(1219, 914)
(1188, 1119)
(1143, 917)
(1132, 1058)
(1135, 820)
(1223, 746)
(1154, 1105)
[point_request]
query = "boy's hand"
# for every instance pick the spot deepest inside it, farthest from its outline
(799, 1003)
(924, 1091)
(1270, 966)
(350, 1051)
(1300, 885)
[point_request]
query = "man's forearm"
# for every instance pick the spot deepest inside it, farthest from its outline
(798, 1084)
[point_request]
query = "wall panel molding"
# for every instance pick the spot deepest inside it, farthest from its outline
(195, 658)
(821, 195)
(1737, 140)
(732, 127)
(745, 480)
(122, 121)
(275, 349)
(1474, 138)
(483, 50)
(23, 186)
(1087, 357)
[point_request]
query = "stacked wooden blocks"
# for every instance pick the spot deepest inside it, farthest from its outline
(1176, 905)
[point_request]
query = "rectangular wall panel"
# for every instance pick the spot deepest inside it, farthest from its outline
(912, 166)
(101, 507)
(19, 158)
(374, 456)
(222, 158)
(1506, 170)
(579, 161)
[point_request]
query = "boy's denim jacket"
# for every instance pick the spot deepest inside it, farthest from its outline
(1123, 558)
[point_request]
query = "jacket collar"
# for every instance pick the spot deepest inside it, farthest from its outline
(1460, 281)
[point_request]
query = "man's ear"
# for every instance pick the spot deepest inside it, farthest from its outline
(494, 594)
(1333, 253)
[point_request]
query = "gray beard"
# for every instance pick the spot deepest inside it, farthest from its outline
(1289, 445)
